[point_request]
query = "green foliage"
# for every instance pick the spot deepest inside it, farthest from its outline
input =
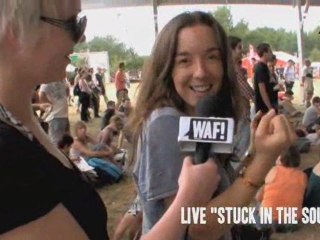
(224, 17)
(279, 39)
(81, 62)
(117, 52)
(315, 55)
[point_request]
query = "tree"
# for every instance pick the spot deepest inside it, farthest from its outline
(240, 30)
(224, 17)
(315, 55)
(279, 39)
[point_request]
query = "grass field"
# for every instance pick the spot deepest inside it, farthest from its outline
(118, 197)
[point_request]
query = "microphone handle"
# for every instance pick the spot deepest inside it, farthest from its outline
(202, 153)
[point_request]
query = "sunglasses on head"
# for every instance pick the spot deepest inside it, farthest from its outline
(75, 26)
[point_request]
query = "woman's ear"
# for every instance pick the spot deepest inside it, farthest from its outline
(11, 39)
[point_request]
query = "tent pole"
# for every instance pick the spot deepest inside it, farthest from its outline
(300, 44)
(155, 16)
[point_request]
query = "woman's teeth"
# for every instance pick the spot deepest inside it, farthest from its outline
(201, 89)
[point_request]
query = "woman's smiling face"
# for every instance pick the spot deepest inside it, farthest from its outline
(197, 67)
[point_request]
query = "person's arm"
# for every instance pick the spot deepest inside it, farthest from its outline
(120, 139)
(264, 95)
(67, 88)
(84, 150)
(41, 106)
(76, 80)
(271, 136)
(56, 224)
(196, 186)
(43, 97)
(104, 136)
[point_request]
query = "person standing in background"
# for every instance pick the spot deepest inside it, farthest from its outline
(101, 83)
(307, 82)
(274, 81)
(242, 138)
(289, 75)
(120, 79)
(56, 94)
(262, 86)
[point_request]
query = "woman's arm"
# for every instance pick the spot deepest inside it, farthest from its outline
(196, 186)
(272, 136)
(87, 152)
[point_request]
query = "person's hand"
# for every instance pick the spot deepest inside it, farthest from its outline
(271, 136)
(197, 183)
(45, 106)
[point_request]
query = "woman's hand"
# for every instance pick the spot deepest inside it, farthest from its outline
(197, 183)
(271, 136)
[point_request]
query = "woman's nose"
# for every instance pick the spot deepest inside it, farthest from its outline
(200, 69)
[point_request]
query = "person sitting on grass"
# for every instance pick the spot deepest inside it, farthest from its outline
(64, 145)
(109, 112)
(312, 196)
(314, 138)
(311, 115)
(284, 186)
(101, 158)
(287, 107)
(107, 136)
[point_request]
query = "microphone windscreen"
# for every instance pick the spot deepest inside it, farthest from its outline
(210, 106)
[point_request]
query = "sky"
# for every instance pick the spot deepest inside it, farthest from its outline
(134, 26)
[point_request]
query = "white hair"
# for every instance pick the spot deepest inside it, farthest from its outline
(23, 16)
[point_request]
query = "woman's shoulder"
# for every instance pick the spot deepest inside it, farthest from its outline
(164, 112)
(162, 117)
(10, 138)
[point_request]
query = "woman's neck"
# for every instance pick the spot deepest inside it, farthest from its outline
(15, 96)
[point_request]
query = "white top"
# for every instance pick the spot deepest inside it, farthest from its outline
(56, 93)
(289, 74)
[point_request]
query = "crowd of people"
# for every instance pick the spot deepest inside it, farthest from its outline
(56, 169)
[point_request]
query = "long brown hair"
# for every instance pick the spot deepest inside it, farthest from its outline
(157, 88)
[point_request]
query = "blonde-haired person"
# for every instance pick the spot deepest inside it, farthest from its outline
(191, 59)
(97, 156)
(57, 203)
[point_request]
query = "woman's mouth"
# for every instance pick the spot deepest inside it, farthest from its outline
(201, 88)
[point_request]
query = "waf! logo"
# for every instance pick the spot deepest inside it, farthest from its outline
(205, 129)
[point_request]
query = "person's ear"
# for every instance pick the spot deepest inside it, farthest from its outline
(11, 39)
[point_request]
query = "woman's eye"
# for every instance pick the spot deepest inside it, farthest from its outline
(183, 61)
(214, 57)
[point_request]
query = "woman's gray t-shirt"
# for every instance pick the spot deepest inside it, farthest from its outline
(159, 162)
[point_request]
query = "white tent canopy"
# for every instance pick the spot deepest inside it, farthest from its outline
(285, 56)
